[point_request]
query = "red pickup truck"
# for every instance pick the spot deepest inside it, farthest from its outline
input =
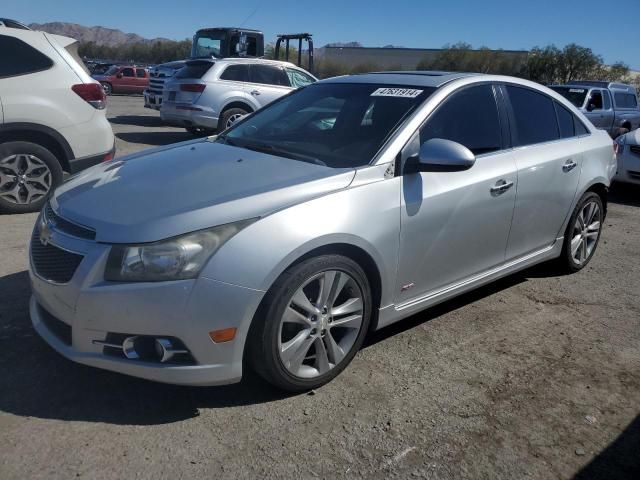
(124, 79)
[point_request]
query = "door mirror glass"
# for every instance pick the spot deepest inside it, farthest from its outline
(119, 75)
(591, 107)
(440, 155)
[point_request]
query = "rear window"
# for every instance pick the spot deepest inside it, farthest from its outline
(19, 58)
(575, 95)
(194, 69)
(625, 100)
(236, 73)
(534, 115)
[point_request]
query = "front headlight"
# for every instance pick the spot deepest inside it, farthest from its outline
(177, 258)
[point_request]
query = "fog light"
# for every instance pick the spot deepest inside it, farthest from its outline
(224, 335)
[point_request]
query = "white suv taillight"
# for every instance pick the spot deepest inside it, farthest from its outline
(92, 93)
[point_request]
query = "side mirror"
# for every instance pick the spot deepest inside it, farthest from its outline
(119, 75)
(440, 155)
(591, 107)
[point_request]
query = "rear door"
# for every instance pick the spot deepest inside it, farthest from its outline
(267, 83)
(141, 80)
(548, 155)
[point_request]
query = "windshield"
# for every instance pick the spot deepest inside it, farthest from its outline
(113, 69)
(575, 95)
(208, 44)
(334, 124)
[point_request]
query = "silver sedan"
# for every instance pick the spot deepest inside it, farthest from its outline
(337, 210)
(628, 150)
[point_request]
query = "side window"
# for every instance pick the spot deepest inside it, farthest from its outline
(595, 99)
(268, 75)
(625, 100)
(298, 79)
(127, 72)
(140, 72)
(236, 73)
(469, 117)
(607, 99)
(565, 121)
(579, 127)
(534, 116)
(19, 58)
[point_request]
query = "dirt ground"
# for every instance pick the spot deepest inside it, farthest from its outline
(536, 376)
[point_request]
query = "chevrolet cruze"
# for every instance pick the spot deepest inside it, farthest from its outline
(337, 210)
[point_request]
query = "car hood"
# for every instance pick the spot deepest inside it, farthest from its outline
(187, 187)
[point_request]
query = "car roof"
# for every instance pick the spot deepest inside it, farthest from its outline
(252, 60)
(415, 78)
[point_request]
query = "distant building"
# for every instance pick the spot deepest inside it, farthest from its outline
(400, 58)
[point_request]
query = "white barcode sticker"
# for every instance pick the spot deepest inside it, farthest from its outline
(397, 92)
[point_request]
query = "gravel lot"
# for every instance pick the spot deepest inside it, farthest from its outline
(537, 376)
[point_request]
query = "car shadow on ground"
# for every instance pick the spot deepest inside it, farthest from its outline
(137, 120)
(621, 459)
(155, 138)
(38, 382)
(625, 194)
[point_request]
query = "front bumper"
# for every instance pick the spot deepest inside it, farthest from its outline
(90, 309)
(188, 115)
(152, 100)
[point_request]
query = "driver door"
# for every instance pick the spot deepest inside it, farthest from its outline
(455, 225)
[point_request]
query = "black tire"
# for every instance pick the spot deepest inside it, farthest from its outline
(262, 352)
(227, 115)
(7, 150)
(566, 262)
(200, 131)
(106, 86)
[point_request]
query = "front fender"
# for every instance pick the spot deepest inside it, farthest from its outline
(366, 217)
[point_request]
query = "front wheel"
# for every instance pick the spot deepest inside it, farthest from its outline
(583, 233)
(313, 322)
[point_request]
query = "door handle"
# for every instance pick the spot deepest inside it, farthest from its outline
(500, 187)
(569, 165)
(255, 92)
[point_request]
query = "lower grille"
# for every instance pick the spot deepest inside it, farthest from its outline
(635, 149)
(633, 174)
(53, 263)
(55, 326)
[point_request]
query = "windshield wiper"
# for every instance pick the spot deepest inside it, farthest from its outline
(270, 149)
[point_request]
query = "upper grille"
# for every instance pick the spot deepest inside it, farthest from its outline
(66, 226)
(635, 149)
(53, 263)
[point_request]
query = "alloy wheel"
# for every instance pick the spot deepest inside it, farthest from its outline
(586, 231)
(24, 179)
(233, 119)
(320, 324)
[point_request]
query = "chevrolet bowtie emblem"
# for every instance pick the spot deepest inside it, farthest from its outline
(44, 232)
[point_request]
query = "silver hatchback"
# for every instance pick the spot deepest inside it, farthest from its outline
(335, 211)
(208, 95)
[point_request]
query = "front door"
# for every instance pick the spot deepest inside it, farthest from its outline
(455, 225)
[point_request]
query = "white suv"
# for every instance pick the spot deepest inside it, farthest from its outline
(52, 117)
(208, 95)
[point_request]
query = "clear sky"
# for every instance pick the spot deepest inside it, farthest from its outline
(511, 25)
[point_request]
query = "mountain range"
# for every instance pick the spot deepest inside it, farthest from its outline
(99, 35)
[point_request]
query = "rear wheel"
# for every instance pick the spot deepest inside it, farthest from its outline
(583, 233)
(314, 321)
(28, 175)
(230, 116)
(106, 86)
